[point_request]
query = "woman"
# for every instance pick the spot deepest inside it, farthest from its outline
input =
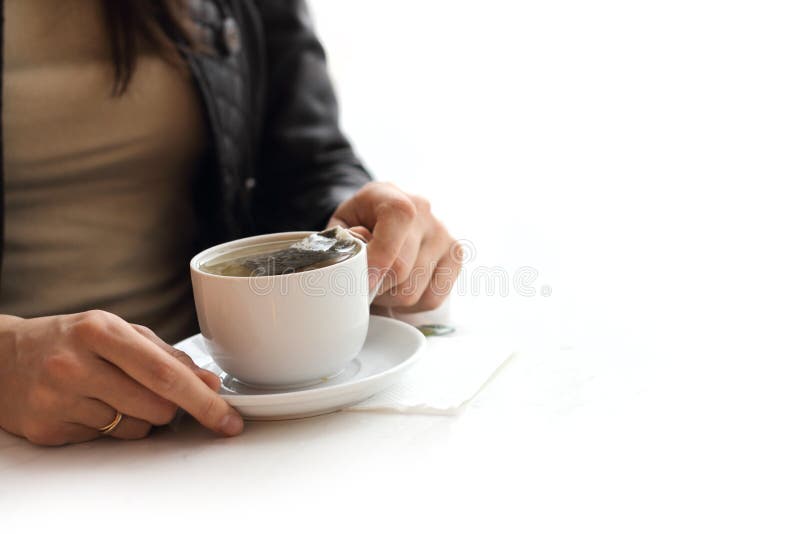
(135, 133)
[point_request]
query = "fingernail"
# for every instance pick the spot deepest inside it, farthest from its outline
(232, 425)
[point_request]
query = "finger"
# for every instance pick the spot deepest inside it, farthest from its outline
(179, 354)
(394, 218)
(389, 214)
(130, 428)
(96, 414)
(412, 253)
(408, 292)
(363, 231)
(92, 413)
(441, 283)
(150, 365)
(113, 387)
(209, 378)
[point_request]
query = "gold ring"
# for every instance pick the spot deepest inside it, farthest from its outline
(109, 428)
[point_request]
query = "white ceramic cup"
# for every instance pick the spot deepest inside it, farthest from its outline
(284, 330)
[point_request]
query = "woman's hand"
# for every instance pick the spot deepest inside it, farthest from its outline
(65, 376)
(410, 252)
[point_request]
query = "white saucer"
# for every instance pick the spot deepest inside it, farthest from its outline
(391, 348)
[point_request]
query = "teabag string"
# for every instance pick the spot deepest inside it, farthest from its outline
(316, 250)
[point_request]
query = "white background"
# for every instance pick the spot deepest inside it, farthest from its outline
(643, 156)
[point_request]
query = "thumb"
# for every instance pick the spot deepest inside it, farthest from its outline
(336, 221)
(362, 231)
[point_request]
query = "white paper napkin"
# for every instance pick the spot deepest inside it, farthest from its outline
(452, 371)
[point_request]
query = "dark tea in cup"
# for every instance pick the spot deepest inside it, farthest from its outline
(286, 256)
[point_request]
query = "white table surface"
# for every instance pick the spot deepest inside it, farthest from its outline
(642, 157)
(564, 438)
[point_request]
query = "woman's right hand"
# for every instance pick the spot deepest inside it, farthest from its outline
(63, 377)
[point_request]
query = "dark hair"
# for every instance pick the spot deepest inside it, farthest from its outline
(131, 23)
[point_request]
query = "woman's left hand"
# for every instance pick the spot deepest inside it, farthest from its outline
(410, 252)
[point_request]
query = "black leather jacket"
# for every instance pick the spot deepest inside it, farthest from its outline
(279, 160)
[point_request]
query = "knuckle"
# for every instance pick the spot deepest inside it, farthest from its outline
(183, 358)
(143, 330)
(95, 316)
(369, 191)
(383, 186)
(371, 186)
(62, 366)
(422, 204)
(165, 377)
(90, 323)
(402, 205)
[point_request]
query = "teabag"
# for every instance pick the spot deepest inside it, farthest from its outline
(313, 252)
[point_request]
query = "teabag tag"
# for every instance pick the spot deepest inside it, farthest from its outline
(313, 252)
